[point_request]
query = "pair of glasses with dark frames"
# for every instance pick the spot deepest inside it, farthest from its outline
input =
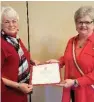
(84, 22)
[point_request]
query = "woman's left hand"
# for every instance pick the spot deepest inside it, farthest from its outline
(36, 62)
(66, 83)
(69, 83)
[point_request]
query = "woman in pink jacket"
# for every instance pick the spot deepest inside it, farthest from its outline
(79, 59)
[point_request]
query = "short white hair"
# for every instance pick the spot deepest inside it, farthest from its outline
(9, 12)
(84, 11)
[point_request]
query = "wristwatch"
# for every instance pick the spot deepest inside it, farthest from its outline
(75, 83)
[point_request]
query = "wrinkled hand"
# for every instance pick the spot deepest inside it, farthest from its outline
(52, 61)
(25, 88)
(61, 83)
(36, 62)
(66, 83)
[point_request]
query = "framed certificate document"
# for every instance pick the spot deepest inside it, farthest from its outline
(46, 74)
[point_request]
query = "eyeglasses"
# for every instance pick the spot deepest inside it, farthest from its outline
(84, 22)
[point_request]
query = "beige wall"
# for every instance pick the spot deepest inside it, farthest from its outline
(51, 25)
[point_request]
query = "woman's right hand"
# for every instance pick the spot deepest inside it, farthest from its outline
(25, 88)
(52, 61)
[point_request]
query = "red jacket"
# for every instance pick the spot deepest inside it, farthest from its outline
(9, 69)
(84, 92)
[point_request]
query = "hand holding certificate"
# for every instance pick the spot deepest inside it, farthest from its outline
(46, 74)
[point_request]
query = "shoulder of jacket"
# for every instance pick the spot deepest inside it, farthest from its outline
(71, 39)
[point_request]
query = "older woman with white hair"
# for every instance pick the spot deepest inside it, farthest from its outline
(79, 59)
(15, 60)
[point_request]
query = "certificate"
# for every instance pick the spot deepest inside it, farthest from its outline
(46, 74)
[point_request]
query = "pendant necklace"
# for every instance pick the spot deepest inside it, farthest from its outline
(80, 45)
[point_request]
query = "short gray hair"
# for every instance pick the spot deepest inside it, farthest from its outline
(84, 11)
(9, 12)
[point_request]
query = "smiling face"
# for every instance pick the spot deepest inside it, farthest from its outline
(10, 25)
(85, 26)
